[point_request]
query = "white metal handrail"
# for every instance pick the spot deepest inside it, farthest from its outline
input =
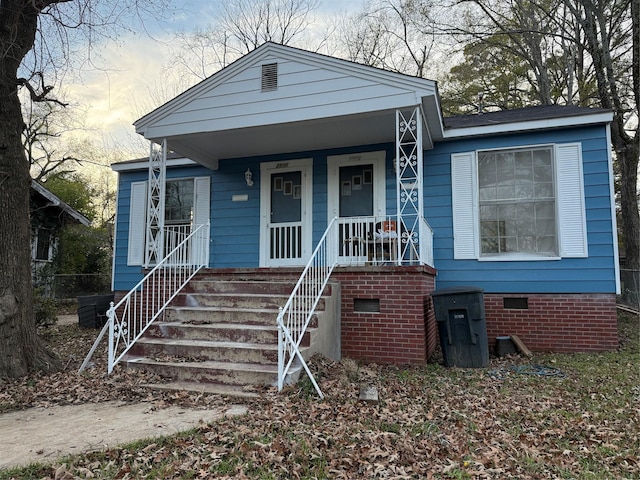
(295, 316)
(137, 310)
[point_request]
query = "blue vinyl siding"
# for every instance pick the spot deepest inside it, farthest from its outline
(235, 236)
(126, 276)
(594, 274)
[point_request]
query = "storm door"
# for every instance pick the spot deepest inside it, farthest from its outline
(286, 213)
(356, 196)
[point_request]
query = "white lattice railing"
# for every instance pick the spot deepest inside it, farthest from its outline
(377, 240)
(294, 317)
(137, 310)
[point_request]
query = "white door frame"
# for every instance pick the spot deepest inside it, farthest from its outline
(334, 163)
(378, 160)
(266, 170)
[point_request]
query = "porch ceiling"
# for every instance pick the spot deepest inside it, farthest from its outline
(207, 148)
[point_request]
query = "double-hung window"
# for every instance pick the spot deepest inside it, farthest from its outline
(186, 208)
(519, 203)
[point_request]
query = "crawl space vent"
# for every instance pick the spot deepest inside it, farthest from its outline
(269, 77)
(366, 305)
(515, 303)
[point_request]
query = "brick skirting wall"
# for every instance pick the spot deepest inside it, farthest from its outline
(404, 330)
(555, 323)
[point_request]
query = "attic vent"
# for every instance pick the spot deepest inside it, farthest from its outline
(269, 77)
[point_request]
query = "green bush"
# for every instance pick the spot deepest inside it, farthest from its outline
(45, 309)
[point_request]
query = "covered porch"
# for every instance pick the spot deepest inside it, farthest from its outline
(272, 210)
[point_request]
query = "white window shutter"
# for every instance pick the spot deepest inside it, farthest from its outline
(201, 201)
(137, 223)
(465, 210)
(572, 224)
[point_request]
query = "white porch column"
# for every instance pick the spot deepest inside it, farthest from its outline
(154, 248)
(409, 167)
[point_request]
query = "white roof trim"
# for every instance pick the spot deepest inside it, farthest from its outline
(559, 122)
(143, 164)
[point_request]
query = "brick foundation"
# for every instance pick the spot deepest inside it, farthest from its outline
(404, 330)
(556, 323)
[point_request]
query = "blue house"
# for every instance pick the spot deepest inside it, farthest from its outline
(289, 159)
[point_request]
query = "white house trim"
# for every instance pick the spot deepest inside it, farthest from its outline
(562, 122)
(614, 222)
(333, 178)
(266, 170)
(143, 164)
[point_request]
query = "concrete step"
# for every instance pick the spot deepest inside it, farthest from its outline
(215, 332)
(217, 315)
(220, 332)
(208, 315)
(235, 300)
(200, 350)
(202, 284)
(257, 287)
(209, 388)
(225, 373)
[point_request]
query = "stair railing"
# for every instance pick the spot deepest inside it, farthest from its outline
(137, 310)
(294, 318)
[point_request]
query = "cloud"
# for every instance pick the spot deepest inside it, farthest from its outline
(116, 90)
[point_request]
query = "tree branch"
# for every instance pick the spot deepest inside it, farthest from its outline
(42, 96)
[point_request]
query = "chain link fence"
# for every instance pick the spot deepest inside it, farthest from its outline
(71, 286)
(630, 288)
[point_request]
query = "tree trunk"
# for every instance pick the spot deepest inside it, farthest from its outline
(21, 350)
(628, 163)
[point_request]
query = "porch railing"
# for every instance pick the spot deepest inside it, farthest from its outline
(137, 310)
(426, 243)
(294, 318)
(384, 240)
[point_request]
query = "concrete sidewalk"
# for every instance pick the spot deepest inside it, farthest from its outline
(44, 434)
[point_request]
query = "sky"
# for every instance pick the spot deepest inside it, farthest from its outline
(115, 91)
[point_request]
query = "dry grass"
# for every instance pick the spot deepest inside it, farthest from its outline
(431, 422)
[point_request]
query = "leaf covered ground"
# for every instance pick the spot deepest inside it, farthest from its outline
(577, 418)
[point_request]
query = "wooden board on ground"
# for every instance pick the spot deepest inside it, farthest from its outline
(521, 346)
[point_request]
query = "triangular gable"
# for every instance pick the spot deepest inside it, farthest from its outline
(54, 201)
(309, 86)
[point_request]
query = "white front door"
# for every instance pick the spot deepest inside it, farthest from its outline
(285, 220)
(356, 195)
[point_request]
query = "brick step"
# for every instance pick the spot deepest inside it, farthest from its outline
(201, 350)
(211, 315)
(235, 300)
(225, 373)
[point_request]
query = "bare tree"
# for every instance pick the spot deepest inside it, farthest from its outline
(45, 124)
(598, 42)
(396, 35)
(37, 37)
(242, 26)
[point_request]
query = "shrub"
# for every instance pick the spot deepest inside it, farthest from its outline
(44, 308)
